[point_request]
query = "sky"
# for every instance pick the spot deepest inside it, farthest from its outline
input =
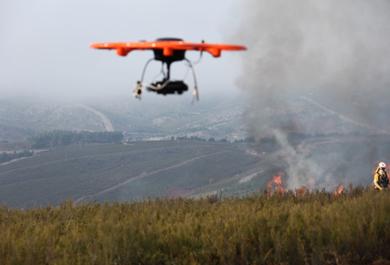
(44, 47)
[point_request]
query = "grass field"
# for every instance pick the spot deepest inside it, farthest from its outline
(317, 228)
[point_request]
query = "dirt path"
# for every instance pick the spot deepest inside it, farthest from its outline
(71, 159)
(107, 124)
(22, 158)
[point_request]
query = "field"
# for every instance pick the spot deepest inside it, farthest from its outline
(182, 168)
(117, 172)
(316, 228)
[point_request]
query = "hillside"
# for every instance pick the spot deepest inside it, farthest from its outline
(220, 117)
(323, 149)
(316, 228)
(108, 172)
(21, 118)
(187, 168)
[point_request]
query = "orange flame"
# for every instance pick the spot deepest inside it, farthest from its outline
(275, 185)
(278, 180)
(302, 191)
(339, 190)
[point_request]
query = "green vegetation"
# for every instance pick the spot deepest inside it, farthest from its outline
(62, 138)
(316, 228)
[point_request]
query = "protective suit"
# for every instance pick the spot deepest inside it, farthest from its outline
(381, 180)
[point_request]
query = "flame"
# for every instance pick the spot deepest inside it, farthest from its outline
(278, 180)
(302, 191)
(275, 185)
(339, 190)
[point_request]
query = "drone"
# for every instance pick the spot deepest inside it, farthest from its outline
(167, 51)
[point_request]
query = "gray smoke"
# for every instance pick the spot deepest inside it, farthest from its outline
(330, 56)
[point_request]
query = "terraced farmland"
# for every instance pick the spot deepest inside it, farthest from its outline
(185, 168)
(109, 172)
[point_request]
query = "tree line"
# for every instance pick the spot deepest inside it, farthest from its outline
(6, 156)
(62, 138)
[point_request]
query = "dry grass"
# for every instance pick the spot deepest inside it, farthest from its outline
(313, 228)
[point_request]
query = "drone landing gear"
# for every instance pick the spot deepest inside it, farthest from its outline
(166, 86)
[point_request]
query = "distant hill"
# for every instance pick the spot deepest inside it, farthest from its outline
(185, 168)
(218, 118)
(14, 134)
(222, 117)
(22, 118)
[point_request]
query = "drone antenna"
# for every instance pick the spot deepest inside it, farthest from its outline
(199, 59)
(137, 92)
(162, 72)
(144, 70)
(200, 55)
(195, 92)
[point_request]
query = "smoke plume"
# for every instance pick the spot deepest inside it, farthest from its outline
(329, 56)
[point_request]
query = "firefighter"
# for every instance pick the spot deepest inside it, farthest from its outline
(381, 180)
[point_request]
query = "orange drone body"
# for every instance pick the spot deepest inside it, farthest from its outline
(167, 51)
(167, 46)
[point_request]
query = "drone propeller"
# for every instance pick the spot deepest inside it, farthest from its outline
(168, 51)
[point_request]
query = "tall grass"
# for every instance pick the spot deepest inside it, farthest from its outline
(316, 228)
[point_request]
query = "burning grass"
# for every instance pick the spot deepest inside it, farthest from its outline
(313, 228)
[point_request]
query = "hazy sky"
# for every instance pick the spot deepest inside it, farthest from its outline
(44, 48)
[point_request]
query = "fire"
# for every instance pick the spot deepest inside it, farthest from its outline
(302, 191)
(339, 190)
(275, 185)
(278, 181)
